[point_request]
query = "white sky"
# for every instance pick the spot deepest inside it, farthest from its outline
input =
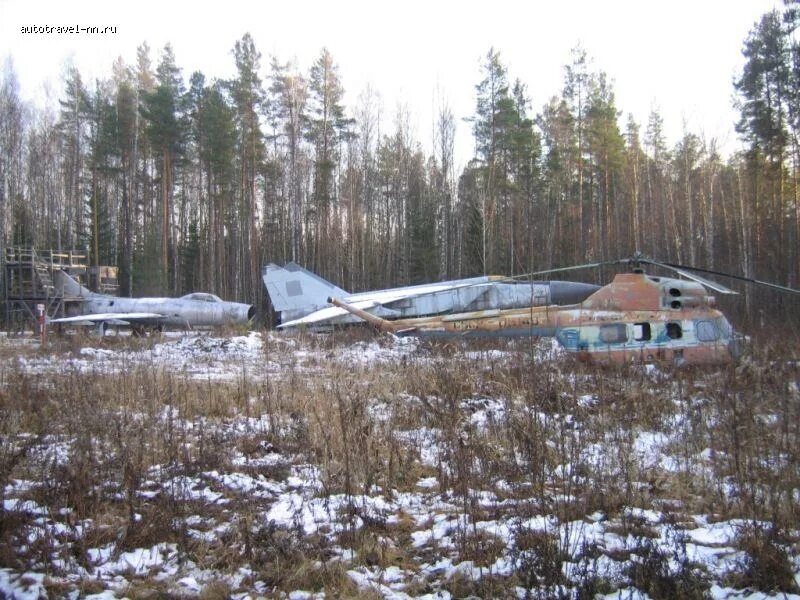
(679, 55)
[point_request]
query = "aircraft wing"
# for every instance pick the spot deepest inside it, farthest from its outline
(382, 298)
(416, 291)
(111, 318)
(325, 314)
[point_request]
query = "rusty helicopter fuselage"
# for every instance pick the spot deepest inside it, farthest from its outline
(635, 318)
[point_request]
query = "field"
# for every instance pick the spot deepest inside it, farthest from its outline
(298, 467)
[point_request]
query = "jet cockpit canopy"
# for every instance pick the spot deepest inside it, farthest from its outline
(202, 297)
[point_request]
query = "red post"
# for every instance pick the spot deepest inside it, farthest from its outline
(42, 323)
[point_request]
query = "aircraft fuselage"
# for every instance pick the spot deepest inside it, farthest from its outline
(175, 312)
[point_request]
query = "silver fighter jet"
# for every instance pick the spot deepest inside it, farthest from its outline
(301, 297)
(187, 312)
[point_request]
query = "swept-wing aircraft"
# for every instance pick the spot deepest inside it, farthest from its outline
(301, 297)
(190, 311)
(635, 318)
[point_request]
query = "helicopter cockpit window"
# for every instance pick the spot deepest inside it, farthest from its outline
(706, 331)
(724, 327)
(641, 332)
(615, 333)
(674, 331)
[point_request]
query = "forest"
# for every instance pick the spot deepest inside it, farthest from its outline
(194, 184)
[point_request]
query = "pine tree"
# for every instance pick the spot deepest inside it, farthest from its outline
(423, 264)
(218, 138)
(605, 148)
(489, 126)
(561, 214)
(792, 20)
(763, 88)
(104, 166)
(471, 218)
(165, 129)
(686, 158)
(577, 81)
(195, 264)
(524, 153)
(126, 114)
(362, 186)
(287, 113)
(763, 99)
(326, 126)
(634, 166)
(143, 274)
(12, 156)
(660, 244)
(43, 169)
(442, 184)
(73, 125)
(248, 97)
(507, 149)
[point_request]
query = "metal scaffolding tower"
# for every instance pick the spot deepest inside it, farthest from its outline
(29, 280)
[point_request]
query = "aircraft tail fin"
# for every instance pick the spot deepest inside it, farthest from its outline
(295, 289)
(67, 286)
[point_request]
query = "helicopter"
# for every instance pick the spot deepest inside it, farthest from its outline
(637, 318)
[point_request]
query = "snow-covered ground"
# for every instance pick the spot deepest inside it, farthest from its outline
(204, 356)
(440, 535)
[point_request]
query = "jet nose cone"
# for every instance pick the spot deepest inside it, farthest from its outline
(570, 292)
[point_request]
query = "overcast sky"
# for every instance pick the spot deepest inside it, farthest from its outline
(679, 56)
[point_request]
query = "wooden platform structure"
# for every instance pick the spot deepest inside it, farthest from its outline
(29, 280)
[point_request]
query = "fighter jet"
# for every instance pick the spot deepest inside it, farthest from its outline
(187, 312)
(301, 297)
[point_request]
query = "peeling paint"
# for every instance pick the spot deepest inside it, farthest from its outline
(635, 318)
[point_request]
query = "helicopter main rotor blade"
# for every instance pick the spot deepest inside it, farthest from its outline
(565, 269)
(782, 288)
(684, 271)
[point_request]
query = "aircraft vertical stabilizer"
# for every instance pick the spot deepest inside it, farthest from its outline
(293, 288)
(69, 287)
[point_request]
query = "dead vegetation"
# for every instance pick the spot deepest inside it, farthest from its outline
(94, 466)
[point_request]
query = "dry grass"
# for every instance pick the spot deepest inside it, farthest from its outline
(553, 438)
(766, 565)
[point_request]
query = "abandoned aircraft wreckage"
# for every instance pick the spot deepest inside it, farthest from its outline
(198, 309)
(636, 318)
(47, 287)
